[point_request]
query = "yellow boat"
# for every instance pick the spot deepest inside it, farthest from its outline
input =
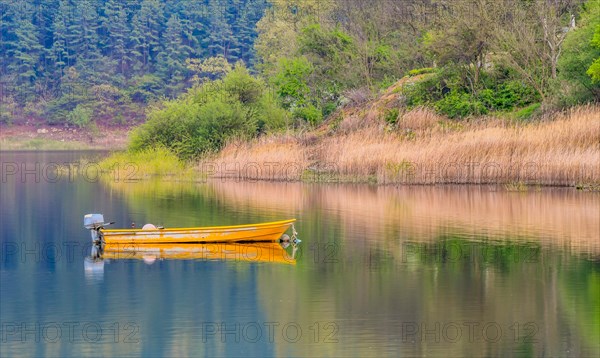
(265, 232)
(265, 252)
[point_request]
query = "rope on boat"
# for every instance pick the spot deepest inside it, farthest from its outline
(294, 239)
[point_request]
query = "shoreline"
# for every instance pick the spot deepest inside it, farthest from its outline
(423, 150)
(32, 137)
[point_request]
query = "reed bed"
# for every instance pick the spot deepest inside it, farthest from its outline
(424, 148)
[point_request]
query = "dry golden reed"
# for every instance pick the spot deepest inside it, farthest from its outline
(424, 148)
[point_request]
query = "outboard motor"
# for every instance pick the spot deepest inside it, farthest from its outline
(95, 222)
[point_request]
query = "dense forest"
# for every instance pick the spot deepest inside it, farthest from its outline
(102, 57)
(222, 67)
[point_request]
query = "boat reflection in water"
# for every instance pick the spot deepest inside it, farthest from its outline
(263, 252)
(259, 243)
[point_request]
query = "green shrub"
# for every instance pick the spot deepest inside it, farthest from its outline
(329, 107)
(513, 94)
(80, 116)
(527, 112)
(421, 71)
(386, 82)
(445, 91)
(145, 88)
(157, 161)
(239, 84)
(271, 116)
(458, 105)
(426, 91)
(391, 116)
(203, 120)
(58, 109)
(191, 130)
(310, 114)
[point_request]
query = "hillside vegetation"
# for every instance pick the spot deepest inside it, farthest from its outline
(419, 146)
(376, 83)
(78, 61)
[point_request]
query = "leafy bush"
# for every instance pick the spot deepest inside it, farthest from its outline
(594, 70)
(145, 88)
(80, 116)
(58, 109)
(507, 96)
(328, 108)
(386, 82)
(426, 91)
(190, 129)
(271, 116)
(309, 113)
(203, 120)
(446, 92)
(7, 109)
(460, 104)
(240, 85)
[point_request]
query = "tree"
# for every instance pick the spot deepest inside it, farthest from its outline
(462, 36)
(147, 26)
(220, 35)
(594, 70)
(84, 37)
(171, 61)
(580, 58)
(211, 68)
(280, 27)
(60, 46)
(116, 27)
(291, 81)
(530, 40)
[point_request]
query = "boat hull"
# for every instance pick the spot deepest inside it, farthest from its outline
(266, 232)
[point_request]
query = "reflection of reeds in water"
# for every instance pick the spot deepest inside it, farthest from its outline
(556, 216)
(560, 152)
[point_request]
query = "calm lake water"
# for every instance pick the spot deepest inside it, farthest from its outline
(387, 271)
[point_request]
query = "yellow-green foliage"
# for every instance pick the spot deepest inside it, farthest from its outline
(133, 165)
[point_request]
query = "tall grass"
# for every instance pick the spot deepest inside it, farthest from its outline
(135, 165)
(427, 149)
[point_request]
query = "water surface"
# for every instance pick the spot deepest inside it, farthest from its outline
(438, 271)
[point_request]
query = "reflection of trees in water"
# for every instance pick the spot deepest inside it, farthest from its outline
(377, 257)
